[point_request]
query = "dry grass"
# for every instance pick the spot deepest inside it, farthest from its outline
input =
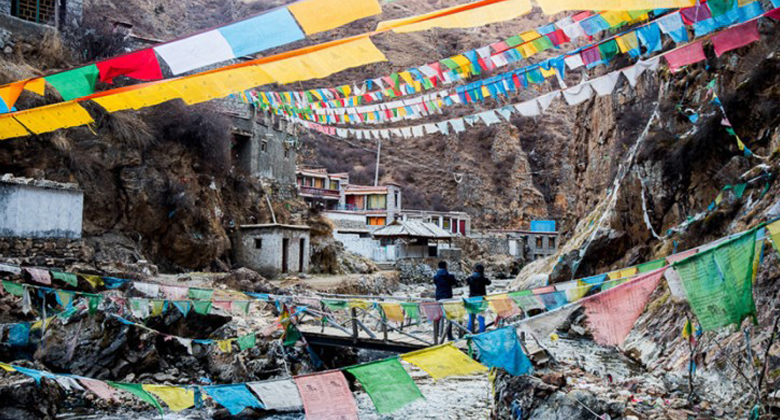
(61, 142)
(52, 51)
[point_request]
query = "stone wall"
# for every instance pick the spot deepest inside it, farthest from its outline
(44, 252)
(33, 211)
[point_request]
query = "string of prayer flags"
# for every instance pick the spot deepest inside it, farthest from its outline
(501, 348)
(443, 361)
(138, 391)
(335, 305)
(620, 274)
(550, 7)
(235, 398)
(198, 294)
(411, 309)
(526, 300)
(774, 233)
(94, 281)
(321, 15)
(719, 282)
(392, 312)
(454, 311)
(475, 305)
(140, 65)
(735, 37)
(470, 16)
(359, 304)
(543, 325)
(68, 278)
(651, 266)
(387, 383)
(683, 56)
(503, 306)
(175, 397)
(52, 117)
(326, 395)
(279, 395)
(612, 314)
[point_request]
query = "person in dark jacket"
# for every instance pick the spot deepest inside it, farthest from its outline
(444, 282)
(477, 288)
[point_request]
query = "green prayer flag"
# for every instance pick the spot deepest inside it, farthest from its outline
(13, 288)
(650, 266)
(450, 63)
(636, 13)
(200, 294)
(739, 190)
(75, 83)
(608, 49)
(514, 41)
(335, 305)
(202, 306)
(69, 278)
(719, 7)
(475, 306)
(291, 335)
(543, 43)
(719, 282)
(387, 383)
(247, 342)
(157, 307)
(412, 309)
(138, 391)
(94, 301)
(242, 305)
(731, 131)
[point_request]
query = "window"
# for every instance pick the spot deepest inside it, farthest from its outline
(539, 242)
(263, 146)
(551, 242)
(446, 224)
(375, 221)
(38, 11)
(258, 243)
(286, 152)
(334, 185)
(377, 202)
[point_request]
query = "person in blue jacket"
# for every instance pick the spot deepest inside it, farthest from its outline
(444, 282)
(477, 288)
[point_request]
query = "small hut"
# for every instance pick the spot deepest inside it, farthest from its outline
(413, 238)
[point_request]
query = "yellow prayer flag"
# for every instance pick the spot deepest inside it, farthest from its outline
(176, 398)
(52, 117)
(393, 311)
(626, 272)
(324, 62)
(528, 49)
(616, 18)
(37, 86)
(358, 303)
(10, 128)
(225, 346)
(628, 42)
(547, 73)
(7, 367)
(576, 293)
(94, 281)
(442, 361)
(454, 311)
(551, 7)
(774, 233)
(11, 92)
(485, 92)
(460, 17)
(38, 324)
(321, 15)
(407, 77)
(140, 97)
(529, 36)
(205, 87)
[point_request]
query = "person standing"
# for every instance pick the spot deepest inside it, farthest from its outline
(477, 288)
(444, 282)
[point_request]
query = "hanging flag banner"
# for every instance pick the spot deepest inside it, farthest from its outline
(235, 398)
(387, 383)
(412, 309)
(432, 311)
(774, 233)
(503, 306)
(463, 16)
(454, 311)
(52, 117)
(501, 348)
(393, 312)
(140, 65)
(683, 56)
(39, 276)
(279, 395)
(138, 391)
(75, 83)
(443, 361)
(612, 314)
(719, 282)
(259, 33)
(321, 15)
(326, 396)
(543, 325)
(526, 300)
(175, 397)
(673, 277)
(551, 7)
(735, 37)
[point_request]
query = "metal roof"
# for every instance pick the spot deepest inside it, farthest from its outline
(412, 229)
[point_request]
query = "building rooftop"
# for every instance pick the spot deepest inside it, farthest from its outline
(366, 189)
(275, 225)
(40, 183)
(412, 229)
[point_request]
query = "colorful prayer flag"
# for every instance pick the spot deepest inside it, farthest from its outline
(233, 397)
(326, 396)
(387, 383)
(277, 395)
(501, 348)
(443, 361)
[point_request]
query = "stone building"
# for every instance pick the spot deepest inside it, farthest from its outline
(262, 145)
(39, 209)
(273, 249)
(56, 13)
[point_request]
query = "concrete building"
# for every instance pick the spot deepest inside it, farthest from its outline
(39, 209)
(262, 145)
(273, 249)
(320, 189)
(538, 242)
(456, 222)
(413, 239)
(55, 13)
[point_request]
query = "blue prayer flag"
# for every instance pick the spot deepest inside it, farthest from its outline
(19, 334)
(650, 37)
(233, 397)
(501, 348)
(554, 300)
(268, 30)
(595, 279)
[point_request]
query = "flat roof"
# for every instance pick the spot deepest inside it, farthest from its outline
(275, 225)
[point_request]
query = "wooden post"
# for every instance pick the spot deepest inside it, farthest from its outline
(353, 311)
(384, 329)
(436, 332)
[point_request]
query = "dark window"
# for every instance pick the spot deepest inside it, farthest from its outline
(539, 242)
(39, 11)
(263, 146)
(551, 242)
(258, 243)
(286, 153)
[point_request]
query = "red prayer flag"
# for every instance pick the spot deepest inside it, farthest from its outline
(582, 16)
(326, 396)
(735, 37)
(612, 314)
(774, 14)
(141, 65)
(499, 46)
(689, 54)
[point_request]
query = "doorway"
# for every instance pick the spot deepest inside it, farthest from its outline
(285, 246)
(301, 255)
